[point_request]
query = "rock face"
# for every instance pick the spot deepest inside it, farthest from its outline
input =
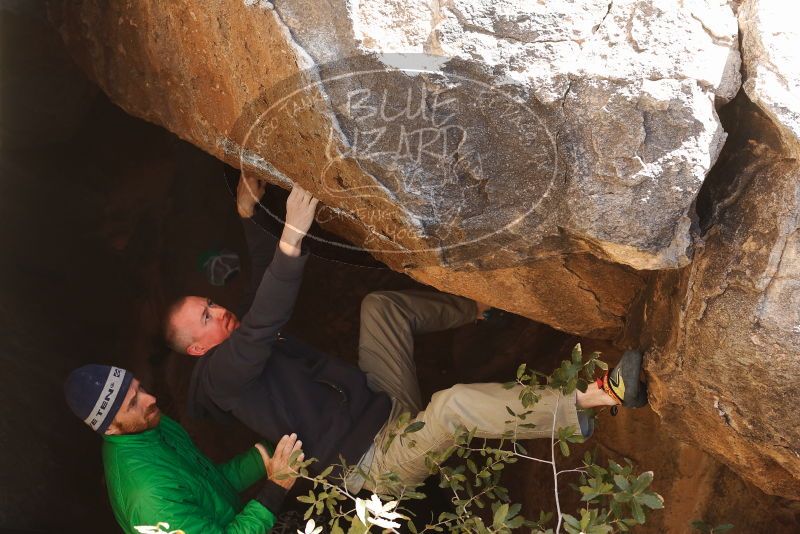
(769, 42)
(460, 142)
(541, 157)
(725, 377)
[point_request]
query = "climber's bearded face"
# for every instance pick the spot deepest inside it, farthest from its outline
(203, 323)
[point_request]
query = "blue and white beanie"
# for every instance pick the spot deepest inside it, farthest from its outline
(95, 393)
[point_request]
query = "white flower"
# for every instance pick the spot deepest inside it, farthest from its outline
(375, 512)
(311, 528)
(156, 529)
(384, 523)
(361, 510)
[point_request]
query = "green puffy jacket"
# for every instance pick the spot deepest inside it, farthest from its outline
(159, 476)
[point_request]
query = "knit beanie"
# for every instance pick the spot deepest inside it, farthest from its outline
(95, 393)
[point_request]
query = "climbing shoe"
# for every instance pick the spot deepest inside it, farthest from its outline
(623, 383)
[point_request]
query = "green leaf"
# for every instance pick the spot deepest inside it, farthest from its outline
(571, 521)
(387, 442)
(500, 515)
(515, 522)
(654, 501)
(520, 371)
(416, 426)
(623, 497)
(571, 385)
(616, 509)
(528, 399)
(585, 519)
(642, 482)
(564, 448)
(471, 466)
(502, 493)
(602, 365)
(638, 513)
(628, 469)
(621, 482)
(577, 354)
(723, 528)
(356, 526)
(595, 470)
(575, 438)
(309, 499)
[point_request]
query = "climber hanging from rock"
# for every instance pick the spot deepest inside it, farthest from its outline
(276, 384)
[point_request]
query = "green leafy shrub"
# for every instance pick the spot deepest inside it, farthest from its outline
(614, 497)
